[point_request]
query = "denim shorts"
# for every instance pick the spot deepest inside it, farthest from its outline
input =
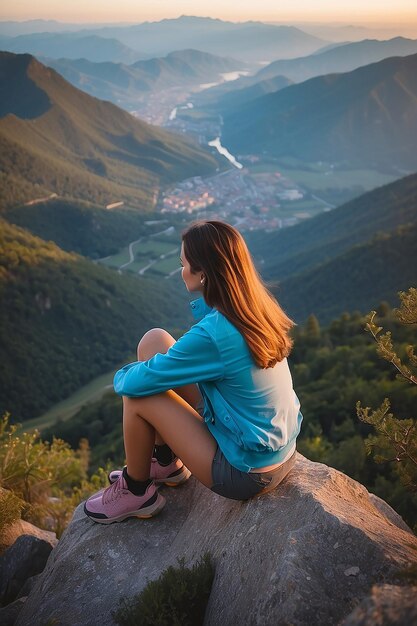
(237, 485)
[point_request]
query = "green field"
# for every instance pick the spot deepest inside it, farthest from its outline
(167, 265)
(322, 181)
(197, 115)
(153, 247)
(319, 177)
(116, 260)
(137, 265)
(145, 251)
(67, 408)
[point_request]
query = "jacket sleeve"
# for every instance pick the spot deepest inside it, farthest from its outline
(193, 358)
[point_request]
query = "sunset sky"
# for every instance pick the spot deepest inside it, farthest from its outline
(352, 11)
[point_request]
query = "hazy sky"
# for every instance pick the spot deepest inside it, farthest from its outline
(352, 11)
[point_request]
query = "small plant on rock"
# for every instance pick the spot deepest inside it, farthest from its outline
(177, 598)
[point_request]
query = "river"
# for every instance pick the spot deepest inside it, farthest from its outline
(225, 78)
(173, 113)
(216, 143)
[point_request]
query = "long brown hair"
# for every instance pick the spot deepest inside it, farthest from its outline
(233, 286)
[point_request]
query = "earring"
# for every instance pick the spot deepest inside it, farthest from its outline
(203, 280)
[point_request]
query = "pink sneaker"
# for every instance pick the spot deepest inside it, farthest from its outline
(116, 503)
(172, 475)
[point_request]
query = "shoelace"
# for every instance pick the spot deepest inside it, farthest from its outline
(114, 491)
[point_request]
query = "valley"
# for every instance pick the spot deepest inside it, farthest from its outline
(64, 410)
(306, 146)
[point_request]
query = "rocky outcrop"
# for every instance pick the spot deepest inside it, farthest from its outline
(23, 560)
(24, 551)
(309, 552)
(21, 527)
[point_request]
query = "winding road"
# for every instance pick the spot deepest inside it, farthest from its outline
(153, 261)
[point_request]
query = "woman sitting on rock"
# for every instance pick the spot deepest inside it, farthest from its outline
(231, 367)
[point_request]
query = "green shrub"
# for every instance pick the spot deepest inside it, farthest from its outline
(395, 440)
(48, 479)
(177, 598)
(10, 509)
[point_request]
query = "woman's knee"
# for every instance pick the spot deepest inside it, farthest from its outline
(154, 341)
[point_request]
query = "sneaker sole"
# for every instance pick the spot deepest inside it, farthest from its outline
(143, 513)
(172, 481)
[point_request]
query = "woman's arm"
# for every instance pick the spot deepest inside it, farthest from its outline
(193, 358)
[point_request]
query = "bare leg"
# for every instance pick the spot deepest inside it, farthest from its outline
(178, 424)
(159, 341)
(168, 417)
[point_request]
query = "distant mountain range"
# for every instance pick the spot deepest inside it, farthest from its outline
(345, 33)
(340, 58)
(72, 46)
(326, 31)
(11, 28)
(57, 139)
(333, 58)
(368, 116)
(123, 84)
(349, 259)
(248, 41)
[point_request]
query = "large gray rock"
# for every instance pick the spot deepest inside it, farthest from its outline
(24, 559)
(307, 553)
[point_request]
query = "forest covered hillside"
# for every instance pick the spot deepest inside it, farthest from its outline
(65, 320)
(355, 280)
(347, 259)
(81, 227)
(366, 116)
(56, 139)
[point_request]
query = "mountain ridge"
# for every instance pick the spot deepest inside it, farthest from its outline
(249, 41)
(367, 274)
(72, 45)
(123, 83)
(341, 58)
(318, 63)
(94, 150)
(367, 116)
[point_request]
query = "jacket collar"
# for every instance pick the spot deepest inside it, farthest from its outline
(199, 308)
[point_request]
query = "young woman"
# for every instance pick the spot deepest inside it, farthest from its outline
(231, 366)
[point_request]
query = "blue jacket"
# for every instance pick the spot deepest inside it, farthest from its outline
(252, 413)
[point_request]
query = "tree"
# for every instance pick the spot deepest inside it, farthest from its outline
(395, 439)
(312, 328)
